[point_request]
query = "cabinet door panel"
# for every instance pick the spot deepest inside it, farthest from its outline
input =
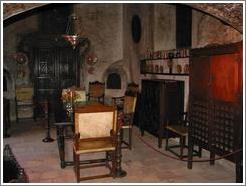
(224, 74)
(151, 104)
(200, 77)
(45, 75)
(161, 100)
(173, 100)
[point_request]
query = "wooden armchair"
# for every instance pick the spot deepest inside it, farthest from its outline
(96, 91)
(95, 131)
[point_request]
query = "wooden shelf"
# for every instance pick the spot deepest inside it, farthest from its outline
(151, 59)
(162, 63)
(171, 74)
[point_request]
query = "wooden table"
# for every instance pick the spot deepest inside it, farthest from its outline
(60, 131)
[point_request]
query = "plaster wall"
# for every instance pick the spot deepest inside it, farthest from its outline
(11, 39)
(108, 26)
(164, 31)
(102, 24)
(132, 51)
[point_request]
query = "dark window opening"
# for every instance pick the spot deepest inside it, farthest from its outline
(183, 26)
(114, 81)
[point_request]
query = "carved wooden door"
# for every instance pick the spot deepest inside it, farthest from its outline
(55, 68)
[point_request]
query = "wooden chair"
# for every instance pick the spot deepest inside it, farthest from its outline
(25, 103)
(179, 129)
(132, 89)
(95, 131)
(126, 109)
(96, 91)
(126, 119)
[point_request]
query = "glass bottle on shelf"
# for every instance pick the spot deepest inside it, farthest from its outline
(161, 68)
(170, 64)
(170, 61)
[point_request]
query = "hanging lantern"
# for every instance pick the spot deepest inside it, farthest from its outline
(71, 36)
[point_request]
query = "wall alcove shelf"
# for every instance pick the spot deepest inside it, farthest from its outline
(175, 62)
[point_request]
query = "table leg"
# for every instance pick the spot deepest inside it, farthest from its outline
(61, 145)
(119, 171)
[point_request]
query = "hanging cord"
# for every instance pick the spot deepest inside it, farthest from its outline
(186, 160)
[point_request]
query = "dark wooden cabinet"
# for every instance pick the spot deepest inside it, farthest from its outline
(216, 102)
(160, 100)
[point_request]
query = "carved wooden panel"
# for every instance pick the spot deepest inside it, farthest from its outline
(46, 62)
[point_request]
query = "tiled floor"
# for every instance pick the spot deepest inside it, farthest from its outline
(142, 164)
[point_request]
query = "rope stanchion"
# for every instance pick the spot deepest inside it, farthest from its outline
(185, 159)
